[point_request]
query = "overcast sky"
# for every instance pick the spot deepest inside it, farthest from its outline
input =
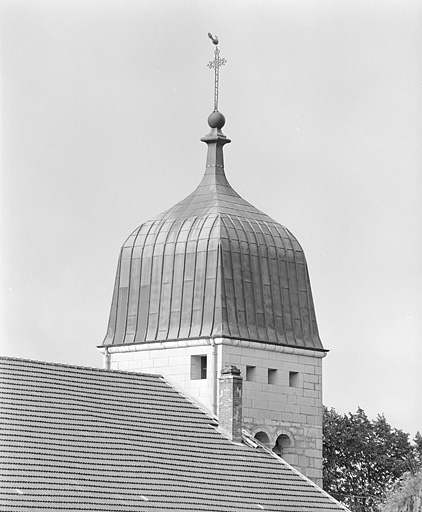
(103, 104)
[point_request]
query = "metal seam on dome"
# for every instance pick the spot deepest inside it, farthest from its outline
(193, 282)
(178, 313)
(291, 326)
(149, 325)
(161, 283)
(269, 279)
(224, 280)
(215, 280)
(174, 327)
(138, 230)
(216, 298)
(255, 302)
(197, 282)
(225, 324)
(119, 299)
(205, 279)
(151, 233)
(128, 292)
(307, 305)
(260, 271)
(242, 273)
(310, 303)
(182, 281)
(290, 235)
(279, 284)
(178, 320)
(140, 288)
(193, 275)
(259, 282)
(202, 300)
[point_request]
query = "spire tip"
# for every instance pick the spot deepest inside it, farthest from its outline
(216, 64)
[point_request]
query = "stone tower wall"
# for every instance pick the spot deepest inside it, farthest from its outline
(282, 390)
(289, 413)
(174, 363)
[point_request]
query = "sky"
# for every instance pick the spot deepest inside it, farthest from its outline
(103, 104)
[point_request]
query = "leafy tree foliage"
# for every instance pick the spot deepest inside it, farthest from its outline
(363, 458)
(418, 448)
(406, 494)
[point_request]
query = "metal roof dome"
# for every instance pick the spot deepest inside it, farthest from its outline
(213, 265)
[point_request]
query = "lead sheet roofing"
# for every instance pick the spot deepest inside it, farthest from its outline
(213, 265)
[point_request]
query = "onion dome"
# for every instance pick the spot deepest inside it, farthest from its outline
(213, 266)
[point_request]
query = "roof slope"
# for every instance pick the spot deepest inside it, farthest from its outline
(76, 438)
(213, 265)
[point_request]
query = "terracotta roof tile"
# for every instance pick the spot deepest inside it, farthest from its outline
(77, 438)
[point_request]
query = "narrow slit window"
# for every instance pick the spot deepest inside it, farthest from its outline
(198, 367)
(250, 373)
(203, 367)
(293, 379)
(272, 376)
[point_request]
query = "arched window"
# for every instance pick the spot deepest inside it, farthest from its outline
(263, 438)
(282, 444)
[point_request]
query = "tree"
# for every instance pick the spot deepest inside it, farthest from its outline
(363, 458)
(406, 494)
(418, 448)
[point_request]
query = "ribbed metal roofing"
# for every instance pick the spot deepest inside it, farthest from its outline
(213, 265)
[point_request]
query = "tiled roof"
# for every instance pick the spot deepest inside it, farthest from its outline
(213, 265)
(76, 438)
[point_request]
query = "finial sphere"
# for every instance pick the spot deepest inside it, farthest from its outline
(216, 120)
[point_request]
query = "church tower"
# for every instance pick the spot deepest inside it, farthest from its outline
(213, 282)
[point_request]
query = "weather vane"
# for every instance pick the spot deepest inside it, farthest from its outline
(216, 64)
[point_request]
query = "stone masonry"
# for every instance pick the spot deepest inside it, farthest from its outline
(282, 389)
(230, 403)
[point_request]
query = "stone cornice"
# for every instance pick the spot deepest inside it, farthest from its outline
(200, 342)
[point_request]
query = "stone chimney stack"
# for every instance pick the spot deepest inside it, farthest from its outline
(230, 403)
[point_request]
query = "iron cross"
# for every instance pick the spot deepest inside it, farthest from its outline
(216, 64)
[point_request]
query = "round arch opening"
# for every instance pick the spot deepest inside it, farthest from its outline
(282, 445)
(263, 438)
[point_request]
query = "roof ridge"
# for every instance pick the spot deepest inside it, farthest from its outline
(195, 403)
(81, 367)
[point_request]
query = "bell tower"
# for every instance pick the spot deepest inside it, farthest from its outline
(213, 282)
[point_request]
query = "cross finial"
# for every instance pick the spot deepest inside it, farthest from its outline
(216, 64)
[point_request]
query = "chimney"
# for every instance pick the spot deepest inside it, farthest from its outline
(230, 403)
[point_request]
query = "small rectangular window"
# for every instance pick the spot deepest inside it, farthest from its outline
(250, 373)
(293, 379)
(272, 376)
(203, 367)
(198, 367)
